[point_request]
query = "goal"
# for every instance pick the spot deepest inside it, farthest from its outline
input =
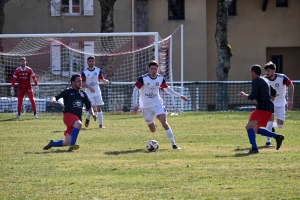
(123, 57)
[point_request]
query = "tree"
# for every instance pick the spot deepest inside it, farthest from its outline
(224, 54)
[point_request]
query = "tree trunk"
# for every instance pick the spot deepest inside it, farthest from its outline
(224, 54)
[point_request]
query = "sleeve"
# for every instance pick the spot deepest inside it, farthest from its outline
(87, 102)
(139, 83)
(32, 75)
(135, 95)
(13, 82)
(101, 76)
(254, 91)
(164, 84)
(171, 92)
(286, 81)
(62, 94)
(83, 76)
(273, 91)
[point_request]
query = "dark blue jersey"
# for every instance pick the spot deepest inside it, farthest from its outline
(74, 100)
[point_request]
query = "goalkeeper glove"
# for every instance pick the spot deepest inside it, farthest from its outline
(37, 89)
(12, 91)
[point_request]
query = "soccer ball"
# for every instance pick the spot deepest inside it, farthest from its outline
(152, 145)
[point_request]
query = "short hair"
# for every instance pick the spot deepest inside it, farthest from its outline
(270, 65)
(74, 76)
(153, 62)
(90, 57)
(22, 58)
(256, 68)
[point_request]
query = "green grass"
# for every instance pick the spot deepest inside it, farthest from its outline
(114, 164)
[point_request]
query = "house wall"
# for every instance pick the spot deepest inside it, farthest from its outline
(251, 32)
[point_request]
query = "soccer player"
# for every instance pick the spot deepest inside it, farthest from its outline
(90, 77)
(263, 92)
(74, 98)
(150, 101)
(23, 75)
(279, 82)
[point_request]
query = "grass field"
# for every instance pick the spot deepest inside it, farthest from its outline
(114, 164)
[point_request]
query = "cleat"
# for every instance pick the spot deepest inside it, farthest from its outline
(100, 126)
(49, 145)
(175, 147)
(279, 140)
(36, 116)
(73, 147)
(268, 144)
(18, 116)
(253, 151)
(86, 123)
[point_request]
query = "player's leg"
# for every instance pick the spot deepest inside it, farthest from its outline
(21, 94)
(148, 116)
(251, 128)
(280, 116)
(160, 113)
(269, 127)
(32, 101)
(88, 114)
(99, 102)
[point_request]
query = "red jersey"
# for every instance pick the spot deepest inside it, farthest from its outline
(23, 77)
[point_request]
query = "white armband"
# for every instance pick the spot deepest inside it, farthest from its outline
(171, 92)
(134, 96)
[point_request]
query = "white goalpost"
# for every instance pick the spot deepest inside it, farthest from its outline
(123, 57)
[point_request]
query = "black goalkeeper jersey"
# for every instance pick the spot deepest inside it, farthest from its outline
(74, 100)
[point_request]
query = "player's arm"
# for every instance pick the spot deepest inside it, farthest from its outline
(291, 96)
(102, 79)
(254, 91)
(273, 92)
(13, 82)
(138, 85)
(61, 95)
(173, 93)
(84, 83)
(88, 105)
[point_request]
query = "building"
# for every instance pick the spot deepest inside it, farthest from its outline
(258, 30)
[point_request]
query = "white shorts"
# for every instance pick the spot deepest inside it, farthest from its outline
(279, 112)
(96, 100)
(150, 113)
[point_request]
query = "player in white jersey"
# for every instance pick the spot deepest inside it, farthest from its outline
(90, 80)
(150, 101)
(279, 82)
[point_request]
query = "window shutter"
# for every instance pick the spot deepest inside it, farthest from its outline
(55, 58)
(88, 7)
(88, 50)
(55, 7)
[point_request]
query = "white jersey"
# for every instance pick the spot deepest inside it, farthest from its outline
(279, 84)
(91, 78)
(149, 90)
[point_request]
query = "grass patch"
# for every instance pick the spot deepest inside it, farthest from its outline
(113, 163)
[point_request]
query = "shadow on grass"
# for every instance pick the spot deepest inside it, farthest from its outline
(247, 149)
(14, 119)
(125, 152)
(51, 151)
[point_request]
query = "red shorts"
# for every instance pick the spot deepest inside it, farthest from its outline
(69, 120)
(261, 116)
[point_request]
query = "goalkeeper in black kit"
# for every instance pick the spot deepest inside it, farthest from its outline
(74, 98)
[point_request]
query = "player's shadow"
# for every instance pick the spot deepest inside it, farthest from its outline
(248, 149)
(51, 151)
(124, 152)
(14, 119)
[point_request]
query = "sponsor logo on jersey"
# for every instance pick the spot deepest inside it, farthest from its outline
(77, 104)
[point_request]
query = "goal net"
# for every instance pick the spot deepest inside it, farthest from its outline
(123, 57)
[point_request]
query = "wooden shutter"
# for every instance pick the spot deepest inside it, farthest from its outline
(55, 9)
(55, 58)
(88, 7)
(89, 51)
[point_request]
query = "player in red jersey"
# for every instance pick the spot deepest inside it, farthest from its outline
(23, 75)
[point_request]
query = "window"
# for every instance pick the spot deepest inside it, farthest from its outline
(231, 7)
(278, 61)
(72, 7)
(176, 9)
(281, 3)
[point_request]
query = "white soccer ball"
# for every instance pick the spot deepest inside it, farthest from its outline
(152, 145)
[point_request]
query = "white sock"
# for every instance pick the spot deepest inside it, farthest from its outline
(275, 125)
(100, 118)
(170, 136)
(88, 115)
(269, 128)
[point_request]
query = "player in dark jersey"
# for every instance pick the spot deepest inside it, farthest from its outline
(74, 98)
(264, 94)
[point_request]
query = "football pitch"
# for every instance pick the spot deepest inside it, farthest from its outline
(113, 163)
